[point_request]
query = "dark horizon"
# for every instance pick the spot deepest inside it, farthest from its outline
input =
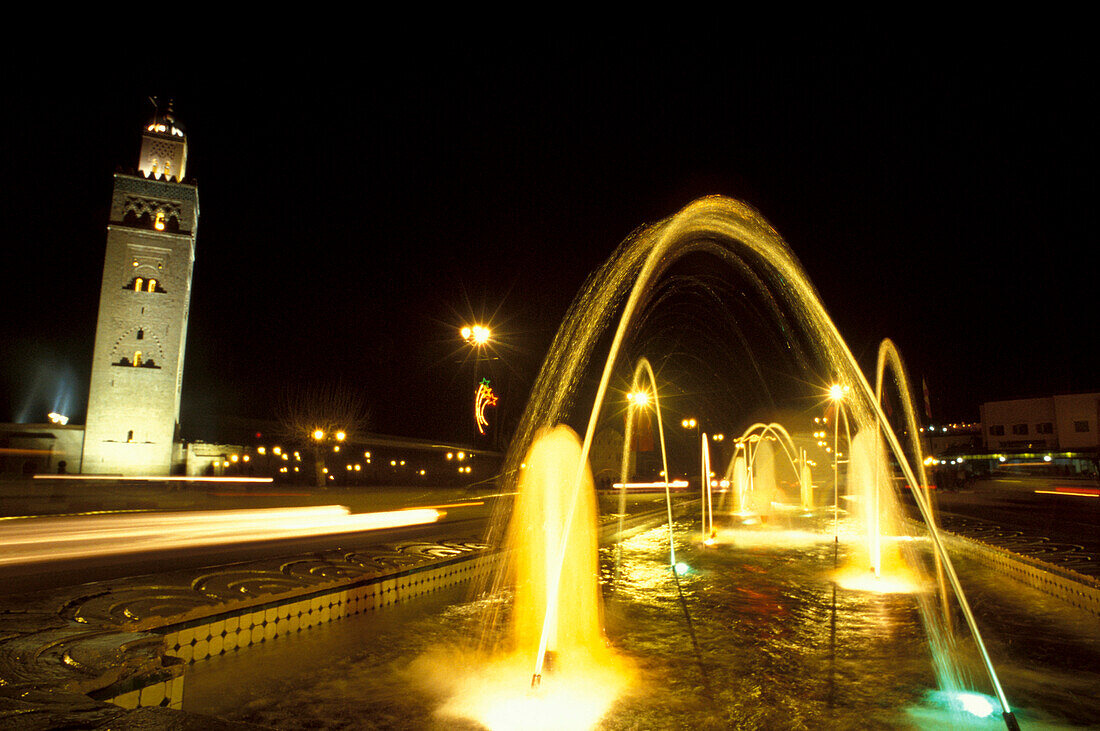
(348, 235)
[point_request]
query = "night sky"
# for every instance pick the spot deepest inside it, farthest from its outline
(356, 211)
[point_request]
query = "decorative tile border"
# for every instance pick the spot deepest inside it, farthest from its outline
(1076, 590)
(196, 641)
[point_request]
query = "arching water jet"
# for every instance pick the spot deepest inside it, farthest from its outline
(736, 234)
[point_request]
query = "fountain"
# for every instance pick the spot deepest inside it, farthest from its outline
(707, 498)
(557, 612)
(548, 529)
(737, 235)
(754, 634)
(875, 563)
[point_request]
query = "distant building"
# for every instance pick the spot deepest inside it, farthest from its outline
(1068, 422)
(137, 363)
(953, 439)
(29, 449)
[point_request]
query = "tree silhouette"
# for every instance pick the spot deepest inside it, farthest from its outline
(320, 415)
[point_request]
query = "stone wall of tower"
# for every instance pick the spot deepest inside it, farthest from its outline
(141, 331)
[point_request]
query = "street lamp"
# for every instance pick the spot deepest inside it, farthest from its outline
(689, 423)
(476, 334)
(479, 336)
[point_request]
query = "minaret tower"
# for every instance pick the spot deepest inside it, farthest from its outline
(137, 366)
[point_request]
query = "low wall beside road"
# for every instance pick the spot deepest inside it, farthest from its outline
(1071, 587)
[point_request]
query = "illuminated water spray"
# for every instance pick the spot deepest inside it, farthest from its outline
(747, 470)
(709, 533)
(639, 398)
(736, 234)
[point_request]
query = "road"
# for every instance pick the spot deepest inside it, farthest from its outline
(1057, 520)
(55, 535)
(77, 527)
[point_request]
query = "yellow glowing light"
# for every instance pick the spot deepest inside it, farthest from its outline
(318, 434)
(246, 458)
(483, 398)
(393, 463)
(341, 436)
(261, 450)
(159, 223)
(837, 392)
(638, 398)
(323, 470)
(450, 455)
(366, 455)
(571, 698)
(276, 450)
(461, 456)
(336, 448)
(233, 457)
(152, 478)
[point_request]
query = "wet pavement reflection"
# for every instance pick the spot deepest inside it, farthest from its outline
(754, 634)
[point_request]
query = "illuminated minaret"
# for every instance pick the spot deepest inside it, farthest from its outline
(137, 365)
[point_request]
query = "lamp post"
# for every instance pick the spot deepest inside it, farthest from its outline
(320, 437)
(478, 337)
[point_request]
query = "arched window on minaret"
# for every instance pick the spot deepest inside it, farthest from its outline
(141, 284)
(153, 167)
(137, 359)
(158, 221)
(140, 334)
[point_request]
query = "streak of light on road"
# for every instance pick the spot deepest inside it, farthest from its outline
(1075, 492)
(47, 539)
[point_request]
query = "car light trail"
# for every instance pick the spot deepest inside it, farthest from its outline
(1075, 491)
(153, 478)
(675, 484)
(48, 539)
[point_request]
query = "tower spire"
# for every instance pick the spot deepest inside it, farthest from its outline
(163, 144)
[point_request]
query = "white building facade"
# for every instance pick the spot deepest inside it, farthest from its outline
(1067, 422)
(141, 330)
